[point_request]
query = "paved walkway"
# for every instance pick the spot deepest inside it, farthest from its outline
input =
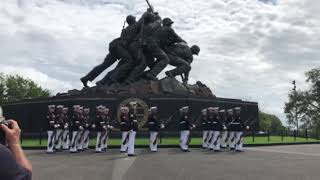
(264, 163)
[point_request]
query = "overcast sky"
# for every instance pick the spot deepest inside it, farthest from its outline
(250, 49)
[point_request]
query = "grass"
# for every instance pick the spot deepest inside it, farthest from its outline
(175, 141)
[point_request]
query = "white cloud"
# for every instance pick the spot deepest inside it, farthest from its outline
(250, 49)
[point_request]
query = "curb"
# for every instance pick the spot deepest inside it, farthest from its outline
(191, 146)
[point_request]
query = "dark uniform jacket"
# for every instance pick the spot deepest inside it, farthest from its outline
(217, 124)
(133, 121)
(153, 123)
(185, 123)
(237, 124)
(99, 122)
(204, 123)
(76, 122)
(60, 120)
(86, 122)
(51, 120)
(124, 124)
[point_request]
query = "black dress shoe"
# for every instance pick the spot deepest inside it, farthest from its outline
(231, 149)
(98, 151)
(84, 82)
(211, 149)
(186, 150)
(132, 155)
(123, 152)
(217, 151)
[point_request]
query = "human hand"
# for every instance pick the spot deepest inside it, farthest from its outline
(12, 133)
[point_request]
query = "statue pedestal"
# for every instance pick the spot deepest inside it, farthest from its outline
(169, 95)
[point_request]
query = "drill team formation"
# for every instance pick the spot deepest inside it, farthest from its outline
(222, 128)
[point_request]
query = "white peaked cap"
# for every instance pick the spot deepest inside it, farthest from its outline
(237, 108)
(60, 106)
(204, 110)
(184, 108)
(99, 107)
(51, 106)
(153, 108)
(65, 108)
(230, 110)
(133, 103)
(222, 110)
(76, 106)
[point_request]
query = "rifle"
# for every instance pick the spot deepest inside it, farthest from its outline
(52, 138)
(101, 137)
(126, 139)
(164, 125)
(59, 137)
(75, 139)
(150, 6)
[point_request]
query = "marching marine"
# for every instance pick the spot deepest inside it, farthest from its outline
(124, 128)
(66, 130)
(86, 124)
(133, 123)
(106, 129)
(204, 127)
(239, 127)
(98, 125)
(230, 127)
(217, 127)
(185, 128)
(51, 128)
(60, 127)
(154, 126)
(224, 132)
(75, 128)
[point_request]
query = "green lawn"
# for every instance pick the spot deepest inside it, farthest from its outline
(175, 141)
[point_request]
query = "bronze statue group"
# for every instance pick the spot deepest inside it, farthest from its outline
(149, 42)
(221, 128)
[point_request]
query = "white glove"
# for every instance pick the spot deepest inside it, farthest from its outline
(66, 126)
(162, 126)
(104, 127)
(224, 128)
(247, 127)
(93, 126)
(56, 125)
(81, 128)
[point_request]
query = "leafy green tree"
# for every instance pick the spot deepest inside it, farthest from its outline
(305, 105)
(271, 123)
(15, 88)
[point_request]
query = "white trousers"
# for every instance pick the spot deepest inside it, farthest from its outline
(85, 139)
(79, 140)
(224, 136)
(65, 140)
(73, 145)
(124, 142)
(104, 140)
(99, 142)
(58, 139)
(204, 139)
(51, 138)
(209, 139)
(239, 141)
(232, 139)
(132, 138)
(216, 140)
(184, 136)
(153, 141)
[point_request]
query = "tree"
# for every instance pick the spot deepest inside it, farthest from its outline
(305, 105)
(271, 123)
(15, 88)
